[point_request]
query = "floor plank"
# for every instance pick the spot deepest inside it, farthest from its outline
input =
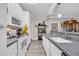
(36, 49)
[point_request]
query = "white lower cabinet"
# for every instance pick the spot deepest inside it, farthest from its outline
(12, 50)
(3, 42)
(23, 44)
(54, 51)
(50, 48)
(19, 48)
(13, 53)
(46, 45)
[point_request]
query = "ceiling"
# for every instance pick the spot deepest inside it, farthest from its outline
(36, 9)
(53, 9)
(67, 10)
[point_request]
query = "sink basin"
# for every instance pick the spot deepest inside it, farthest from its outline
(60, 40)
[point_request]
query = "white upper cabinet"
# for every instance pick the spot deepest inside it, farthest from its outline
(15, 14)
(3, 14)
(26, 19)
(13, 21)
(15, 10)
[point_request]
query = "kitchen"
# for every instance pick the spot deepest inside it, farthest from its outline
(12, 42)
(53, 30)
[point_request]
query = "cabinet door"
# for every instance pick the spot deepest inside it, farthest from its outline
(58, 51)
(28, 41)
(3, 14)
(13, 53)
(52, 50)
(44, 42)
(3, 42)
(46, 45)
(11, 48)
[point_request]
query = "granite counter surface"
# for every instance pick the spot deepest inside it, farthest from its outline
(70, 49)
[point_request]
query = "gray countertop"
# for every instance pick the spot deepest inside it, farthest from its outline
(13, 40)
(70, 49)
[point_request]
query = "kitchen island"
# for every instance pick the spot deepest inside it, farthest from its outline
(58, 46)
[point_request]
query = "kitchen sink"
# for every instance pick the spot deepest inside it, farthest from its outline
(60, 40)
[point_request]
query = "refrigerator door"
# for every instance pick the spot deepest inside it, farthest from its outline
(3, 23)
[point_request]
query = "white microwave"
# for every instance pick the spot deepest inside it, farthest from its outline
(12, 20)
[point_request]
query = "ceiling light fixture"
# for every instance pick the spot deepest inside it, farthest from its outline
(59, 15)
(31, 3)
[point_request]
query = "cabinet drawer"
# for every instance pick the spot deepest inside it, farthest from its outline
(12, 47)
(13, 53)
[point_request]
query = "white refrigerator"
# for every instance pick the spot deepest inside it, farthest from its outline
(3, 35)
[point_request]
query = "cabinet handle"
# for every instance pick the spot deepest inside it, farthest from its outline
(63, 54)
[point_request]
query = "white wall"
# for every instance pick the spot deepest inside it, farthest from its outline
(48, 22)
(3, 38)
(27, 20)
(35, 21)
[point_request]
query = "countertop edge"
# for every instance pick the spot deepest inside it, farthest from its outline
(11, 43)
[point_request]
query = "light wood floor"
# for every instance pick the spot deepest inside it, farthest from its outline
(36, 49)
